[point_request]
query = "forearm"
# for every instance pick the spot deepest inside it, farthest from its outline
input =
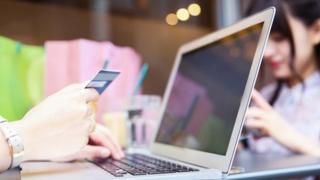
(25, 132)
(297, 142)
(304, 146)
(5, 156)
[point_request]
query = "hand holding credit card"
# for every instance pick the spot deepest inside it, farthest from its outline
(102, 80)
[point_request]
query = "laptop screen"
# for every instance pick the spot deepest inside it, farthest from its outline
(206, 93)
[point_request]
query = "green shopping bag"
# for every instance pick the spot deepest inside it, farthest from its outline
(21, 78)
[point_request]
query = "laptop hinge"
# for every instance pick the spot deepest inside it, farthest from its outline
(224, 175)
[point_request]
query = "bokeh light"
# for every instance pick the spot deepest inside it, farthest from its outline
(194, 9)
(171, 19)
(183, 14)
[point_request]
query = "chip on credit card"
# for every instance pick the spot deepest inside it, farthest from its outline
(102, 80)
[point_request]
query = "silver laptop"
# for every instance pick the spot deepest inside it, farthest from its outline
(204, 106)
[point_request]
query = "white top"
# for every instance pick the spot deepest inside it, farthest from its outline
(300, 106)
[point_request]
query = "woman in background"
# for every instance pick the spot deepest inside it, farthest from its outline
(287, 113)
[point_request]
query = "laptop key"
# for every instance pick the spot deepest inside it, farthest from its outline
(113, 170)
(130, 169)
(193, 169)
(136, 164)
(155, 172)
(121, 171)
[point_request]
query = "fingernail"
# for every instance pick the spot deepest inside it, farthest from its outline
(105, 153)
(118, 156)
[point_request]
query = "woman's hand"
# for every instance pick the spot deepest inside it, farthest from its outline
(264, 118)
(60, 125)
(101, 145)
(270, 123)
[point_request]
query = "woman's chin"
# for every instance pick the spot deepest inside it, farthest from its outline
(281, 75)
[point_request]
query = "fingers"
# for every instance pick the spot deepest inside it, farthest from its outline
(79, 90)
(104, 138)
(92, 123)
(89, 95)
(257, 127)
(84, 84)
(71, 88)
(93, 152)
(255, 112)
(255, 118)
(115, 142)
(254, 124)
(88, 152)
(112, 139)
(90, 111)
(260, 101)
(75, 86)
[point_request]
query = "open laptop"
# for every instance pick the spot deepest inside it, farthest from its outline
(204, 106)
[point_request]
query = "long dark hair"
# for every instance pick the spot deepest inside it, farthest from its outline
(307, 11)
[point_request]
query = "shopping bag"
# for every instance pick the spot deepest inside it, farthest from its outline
(21, 77)
(79, 60)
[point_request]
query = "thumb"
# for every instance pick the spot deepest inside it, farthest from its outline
(88, 152)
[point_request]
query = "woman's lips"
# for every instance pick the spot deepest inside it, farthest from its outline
(275, 64)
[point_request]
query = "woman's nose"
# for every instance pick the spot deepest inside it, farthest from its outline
(270, 50)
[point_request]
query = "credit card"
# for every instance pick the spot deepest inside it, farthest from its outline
(102, 80)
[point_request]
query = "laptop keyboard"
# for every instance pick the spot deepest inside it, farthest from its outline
(138, 164)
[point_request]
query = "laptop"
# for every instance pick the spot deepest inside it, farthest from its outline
(203, 108)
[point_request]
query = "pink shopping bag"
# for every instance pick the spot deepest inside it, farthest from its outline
(79, 60)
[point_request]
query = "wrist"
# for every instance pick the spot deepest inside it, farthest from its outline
(5, 156)
(24, 132)
(302, 145)
(14, 142)
(305, 146)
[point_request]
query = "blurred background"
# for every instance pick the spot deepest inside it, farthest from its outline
(150, 27)
(40, 50)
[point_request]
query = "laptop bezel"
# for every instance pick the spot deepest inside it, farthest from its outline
(205, 159)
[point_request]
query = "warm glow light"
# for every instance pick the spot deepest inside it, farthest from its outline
(183, 14)
(172, 19)
(194, 9)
